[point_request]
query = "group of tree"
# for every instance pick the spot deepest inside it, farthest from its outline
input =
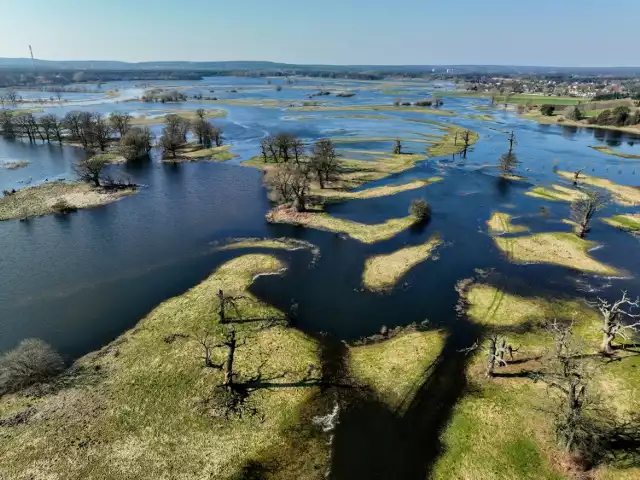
(289, 182)
(163, 96)
(619, 117)
(176, 129)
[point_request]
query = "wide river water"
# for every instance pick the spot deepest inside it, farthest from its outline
(79, 281)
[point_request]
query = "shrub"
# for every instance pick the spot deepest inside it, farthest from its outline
(423, 103)
(33, 361)
(62, 207)
(420, 209)
(547, 109)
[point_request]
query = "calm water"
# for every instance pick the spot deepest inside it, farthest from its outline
(79, 281)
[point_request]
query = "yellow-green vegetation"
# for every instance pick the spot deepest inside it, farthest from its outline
(556, 193)
(451, 143)
(376, 108)
(629, 222)
(361, 232)
(112, 158)
(333, 195)
(216, 154)
(610, 151)
(515, 99)
(138, 409)
(188, 114)
(558, 248)
(501, 223)
(348, 140)
(382, 272)
(503, 428)
(491, 306)
(14, 165)
(40, 200)
(482, 118)
(397, 367)
(622, 194)
(269, 243)
(556, 119)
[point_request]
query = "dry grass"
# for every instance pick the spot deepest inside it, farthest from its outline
(38, 200)
(195, 153)
(383, 272)
(622, 194)
(333, 195)
(451, 143)
(556, 193)
(375, 108)
(135, 408)
(188, 114)
(14, 165)
(502, 430)
(500, 223)
(358, 231)
(630, 222)
(558, 248)
(610, 151)
(397, 367)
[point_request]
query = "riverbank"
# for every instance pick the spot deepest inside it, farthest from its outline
(142, 406)
(49, 198)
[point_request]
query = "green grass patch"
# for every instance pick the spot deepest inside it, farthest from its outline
(610, 151)
(630, 222)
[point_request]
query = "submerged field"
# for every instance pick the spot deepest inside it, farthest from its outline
(354, 327)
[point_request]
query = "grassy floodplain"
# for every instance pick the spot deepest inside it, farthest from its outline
(559, 119)
(500, 223)
(361, 232)
(521, 98)
(190, 115)
(394, 368)
(610, 151)
(556, 193)
(136, 409)
(558, 248)
(374, 108)
(194, 153)
(630, 222)
(502, 428)
(622, 194)
(383, 272)
(40, 200)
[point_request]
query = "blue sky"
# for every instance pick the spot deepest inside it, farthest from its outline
(515, 32)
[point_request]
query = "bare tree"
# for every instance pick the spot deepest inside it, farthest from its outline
(289, 183)
(298, 149)
(397, 148)
(121, 122)
(269, 148)
(90, 170)
(25, 126)
(567, 373)
(204, 131)
(613, 320)
(324, 161)
(216, 136)
(136, 143)
(49, 125)
(583, 209)
(99, 131)
(497, 349)
(33, 361)
(466, 138)
(284, 143)
(7, 124)
(509, 161)
(200, 113)
(174, 134)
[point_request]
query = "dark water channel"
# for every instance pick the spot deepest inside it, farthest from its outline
(79, 281)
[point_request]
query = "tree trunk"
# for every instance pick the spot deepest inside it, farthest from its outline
(228, 364)
(221, 312)
(320, 180)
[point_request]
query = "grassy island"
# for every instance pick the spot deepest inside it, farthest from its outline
(138, 408)
(383, 272)
(193, 152)
(630, 222)
(501, 223)
(611, 151)
(46, 198)
(559, 248)
(361, 232)
(622, 194)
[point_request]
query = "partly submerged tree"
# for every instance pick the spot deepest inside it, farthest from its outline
(583, 209)
(136, 143)
(90, 170)
(121, 122)
(547, 109)
(421, 210)
(397, 148)
(289, 183)
(324, 161)
(509, 161)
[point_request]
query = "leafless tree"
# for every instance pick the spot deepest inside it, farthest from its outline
(50, 128)
(269, 149)
(289, 183)
(204, 131)
(136, 143)
(576, 175)
(583, 209)
(298, 150)
(613, 320)
(200, 113)
(178, 125)
(121, 122)
(284, 142)
(397, 148)
(216, 135)
(324, 162)
(497, 349)
(508, 163)
(466, 138)
(90, 170)
(7, 124)
(33, 361)
(72, 122)
(99, 131)
(26, 126)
